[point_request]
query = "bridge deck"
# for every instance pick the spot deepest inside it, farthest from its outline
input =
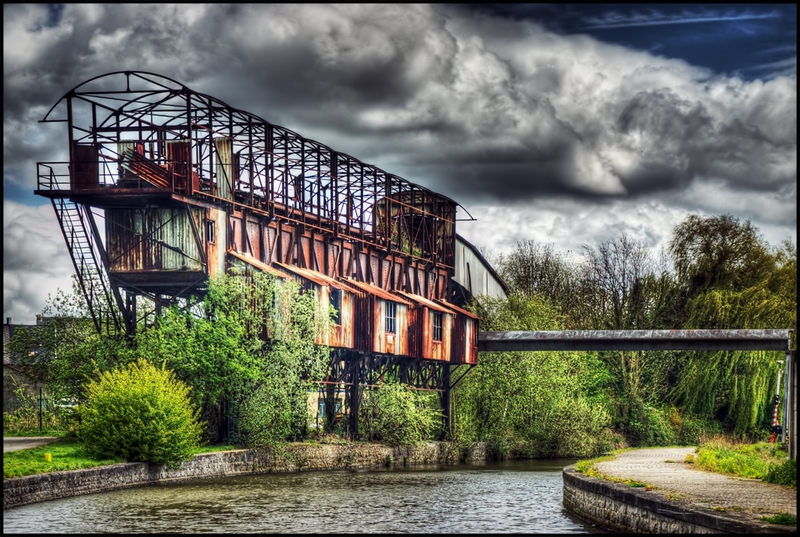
(634, 340)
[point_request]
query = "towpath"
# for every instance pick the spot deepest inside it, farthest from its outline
(667, 472)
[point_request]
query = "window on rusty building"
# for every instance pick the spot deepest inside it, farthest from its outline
(391, 317)
(336, 304)
(437, 326)
(210, 231)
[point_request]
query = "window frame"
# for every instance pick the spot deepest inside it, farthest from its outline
(437, 321)
(390, 317)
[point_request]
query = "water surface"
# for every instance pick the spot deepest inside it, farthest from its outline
(502, 497)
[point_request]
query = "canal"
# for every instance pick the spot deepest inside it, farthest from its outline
(498, 497)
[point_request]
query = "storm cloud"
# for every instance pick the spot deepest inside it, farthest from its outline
(503, 114)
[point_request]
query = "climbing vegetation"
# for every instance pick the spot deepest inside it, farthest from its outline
(248, 351)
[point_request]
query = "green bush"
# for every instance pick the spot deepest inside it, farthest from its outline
(140, 413)
(395, 415)
(783, 474)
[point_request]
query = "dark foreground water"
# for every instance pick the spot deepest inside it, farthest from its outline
(504, 497)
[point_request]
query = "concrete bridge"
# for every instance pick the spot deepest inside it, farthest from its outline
(662, 340)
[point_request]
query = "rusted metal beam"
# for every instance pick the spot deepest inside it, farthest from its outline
(635, 340)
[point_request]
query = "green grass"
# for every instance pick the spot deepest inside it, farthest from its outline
(587, 467)
(753, 461)
(66, 454)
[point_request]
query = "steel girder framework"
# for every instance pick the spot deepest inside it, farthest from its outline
(139, 140)
(236, 158)
(356, 372)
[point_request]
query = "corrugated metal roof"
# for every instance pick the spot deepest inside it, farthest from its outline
(258, 264)
(425, 302)
(458, 309)
(319, 278)
(377, 291)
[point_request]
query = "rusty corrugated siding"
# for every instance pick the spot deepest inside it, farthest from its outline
(259, 265)
(153, 239)
(422, 344)
(465, 334)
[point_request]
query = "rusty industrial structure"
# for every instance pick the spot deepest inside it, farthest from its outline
(164, 188)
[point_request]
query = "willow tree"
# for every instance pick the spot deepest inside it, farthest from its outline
(732, 278)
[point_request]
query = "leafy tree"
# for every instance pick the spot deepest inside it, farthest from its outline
(732, 278)
(718, 252)
(533, 269)
(140, 413)
(65, 348)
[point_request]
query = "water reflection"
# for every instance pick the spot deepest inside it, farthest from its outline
(505, 497)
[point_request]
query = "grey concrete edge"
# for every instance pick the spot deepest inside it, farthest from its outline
(292, 458)
(690, 518)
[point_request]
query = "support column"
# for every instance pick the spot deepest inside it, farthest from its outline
(355, 380)
(791, 400)
(446, 403)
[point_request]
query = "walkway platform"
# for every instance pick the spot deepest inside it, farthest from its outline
(686, 491)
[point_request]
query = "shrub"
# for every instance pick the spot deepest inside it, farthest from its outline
(783, 474)
(396, 415)
(140, 413)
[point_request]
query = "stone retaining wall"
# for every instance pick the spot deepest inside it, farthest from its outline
(290, 458)
(620, 507)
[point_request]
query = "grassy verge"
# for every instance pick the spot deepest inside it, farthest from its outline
(65, 454)
(761, 460)
(587, 467)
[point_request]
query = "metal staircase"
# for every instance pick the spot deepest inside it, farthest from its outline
(104, 300)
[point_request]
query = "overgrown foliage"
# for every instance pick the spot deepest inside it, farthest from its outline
(783, 474)
(396, 415)
(753, 461)
(34, 415)
(717, 273)
(250, 346)
(140, 413)
(247, 348)
(541, 404)
(64, 348)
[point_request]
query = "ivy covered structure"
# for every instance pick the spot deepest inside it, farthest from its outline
(165, 187)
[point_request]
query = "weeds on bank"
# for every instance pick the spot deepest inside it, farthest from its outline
(65, 454)
(784, 519)
(752, 461)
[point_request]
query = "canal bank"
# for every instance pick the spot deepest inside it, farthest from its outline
(289, 458)
(678, 497)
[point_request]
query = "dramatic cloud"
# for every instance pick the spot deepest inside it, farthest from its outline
(538, 133)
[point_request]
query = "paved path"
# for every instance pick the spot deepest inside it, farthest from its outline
(704, 489)
(15, 443)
